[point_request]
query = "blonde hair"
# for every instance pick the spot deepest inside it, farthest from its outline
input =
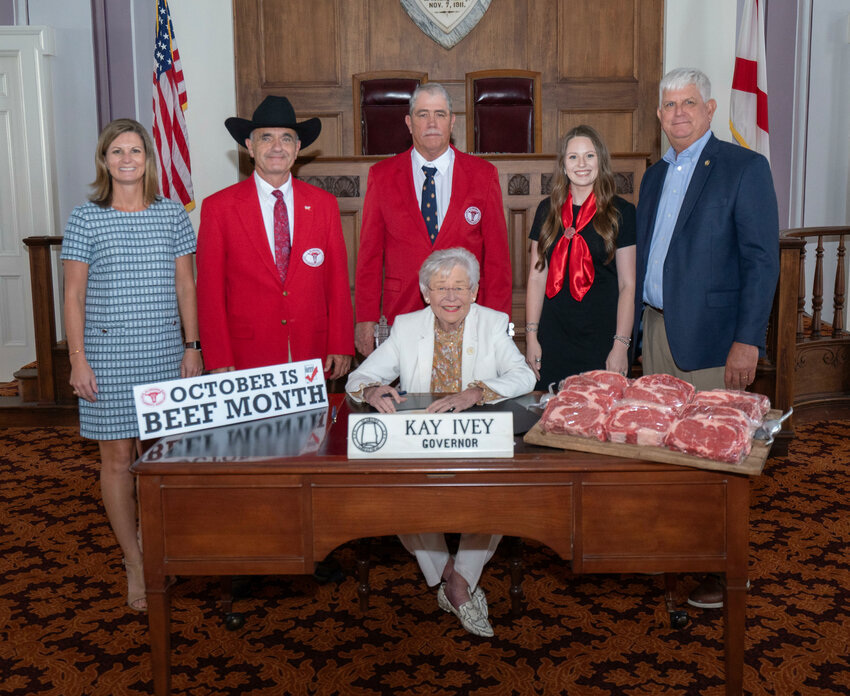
(606, 221)
(102, 184)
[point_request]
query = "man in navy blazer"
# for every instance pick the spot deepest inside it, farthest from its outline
(707, 246)
(707, 255)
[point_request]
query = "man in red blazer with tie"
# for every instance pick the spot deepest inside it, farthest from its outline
(396, 235)
(272, 266)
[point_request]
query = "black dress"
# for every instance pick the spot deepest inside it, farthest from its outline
(577, 336)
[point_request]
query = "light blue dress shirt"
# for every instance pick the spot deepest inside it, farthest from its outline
(679, 172)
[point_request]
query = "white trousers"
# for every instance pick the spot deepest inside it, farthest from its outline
(473, 552)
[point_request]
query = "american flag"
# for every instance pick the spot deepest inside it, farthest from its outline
(171, 140)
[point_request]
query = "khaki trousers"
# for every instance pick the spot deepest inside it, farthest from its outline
(657, 357)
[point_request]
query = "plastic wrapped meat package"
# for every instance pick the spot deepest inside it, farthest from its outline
(720, 433)
(573, 414)
(639, 423)
(658, 411)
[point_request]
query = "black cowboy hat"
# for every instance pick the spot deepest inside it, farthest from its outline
(274, 112)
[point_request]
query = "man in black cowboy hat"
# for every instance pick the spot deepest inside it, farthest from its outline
(272, 266)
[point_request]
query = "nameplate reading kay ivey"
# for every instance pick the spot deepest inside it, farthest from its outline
(194, 403)
(430, 435)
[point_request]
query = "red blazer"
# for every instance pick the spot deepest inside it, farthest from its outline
(247, 317)
(394, 241)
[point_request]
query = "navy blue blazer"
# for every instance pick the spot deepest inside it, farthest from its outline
(722, 266)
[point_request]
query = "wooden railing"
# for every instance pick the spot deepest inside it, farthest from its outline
(808, 359)
(49, 369)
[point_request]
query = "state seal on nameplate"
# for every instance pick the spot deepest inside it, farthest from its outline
(446, 21)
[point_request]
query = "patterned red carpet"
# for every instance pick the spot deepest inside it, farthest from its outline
(64, 629)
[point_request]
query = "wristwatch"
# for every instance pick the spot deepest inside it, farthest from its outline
(193, 345)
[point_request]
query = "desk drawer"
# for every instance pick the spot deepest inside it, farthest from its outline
(541, 511)
(230, 518)
(627, 523)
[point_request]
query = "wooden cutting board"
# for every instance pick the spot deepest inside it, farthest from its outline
(751, 466)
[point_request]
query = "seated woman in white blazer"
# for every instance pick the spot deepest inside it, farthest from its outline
(455, 347)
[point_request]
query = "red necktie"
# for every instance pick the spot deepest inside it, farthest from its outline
(573, 247)
(282, 243)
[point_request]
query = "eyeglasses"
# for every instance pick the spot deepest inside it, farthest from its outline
(456, 290)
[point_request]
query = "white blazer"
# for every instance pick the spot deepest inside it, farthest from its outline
(489, 355)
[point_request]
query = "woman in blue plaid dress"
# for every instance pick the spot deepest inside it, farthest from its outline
(129, 288)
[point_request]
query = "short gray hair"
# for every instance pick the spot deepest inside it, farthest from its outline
(444, 260)
(432, 88)
(679, 78)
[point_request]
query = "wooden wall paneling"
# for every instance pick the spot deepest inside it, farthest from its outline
(615, 127)
(598, 39)
(292, 31)
(519, 224)
(542, 52)
(606, 58)
(247, 26)
(351, 219)
(330, 140)
(498, 40)
(650, 31)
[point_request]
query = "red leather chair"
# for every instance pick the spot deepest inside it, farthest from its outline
(503, 111)
(381, 101)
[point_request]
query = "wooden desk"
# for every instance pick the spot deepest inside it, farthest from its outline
(222, 502)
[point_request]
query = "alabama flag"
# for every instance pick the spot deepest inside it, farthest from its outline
(748, 110)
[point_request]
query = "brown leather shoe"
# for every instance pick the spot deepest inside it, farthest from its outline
(708, 594)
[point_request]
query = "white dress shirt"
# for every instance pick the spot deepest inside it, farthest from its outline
(267, 201)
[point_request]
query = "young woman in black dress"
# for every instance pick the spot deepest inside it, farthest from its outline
(579, 304)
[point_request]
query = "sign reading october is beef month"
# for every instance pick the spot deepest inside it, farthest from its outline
(194, 403)
(446, 21)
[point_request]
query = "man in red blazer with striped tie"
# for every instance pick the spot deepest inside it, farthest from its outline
(272, 266)
(395, 238)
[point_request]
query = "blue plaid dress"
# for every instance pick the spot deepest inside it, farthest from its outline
(132, 332)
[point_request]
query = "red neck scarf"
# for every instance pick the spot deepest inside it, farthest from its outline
(572, 246)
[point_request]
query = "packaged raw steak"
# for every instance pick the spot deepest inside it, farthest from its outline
(660, 389)
(754, 406)
(572, 415)
(711, 432)
(639, 423)
(612, 379)
(730, 414)
(602, 392)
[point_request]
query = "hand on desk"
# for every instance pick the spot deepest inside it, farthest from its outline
(457, 402)
(383, 398)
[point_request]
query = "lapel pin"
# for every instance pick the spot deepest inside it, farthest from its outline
(707, 162)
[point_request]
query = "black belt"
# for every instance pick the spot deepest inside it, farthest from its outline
(655, 309)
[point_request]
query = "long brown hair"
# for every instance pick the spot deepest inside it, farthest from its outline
(102, 185)
(606, 221)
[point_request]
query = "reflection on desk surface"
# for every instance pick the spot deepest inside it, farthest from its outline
(296, 434)
(292, 435)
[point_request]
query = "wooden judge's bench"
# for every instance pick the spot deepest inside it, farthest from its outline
(525, 181)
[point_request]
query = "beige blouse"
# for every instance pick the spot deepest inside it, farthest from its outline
(446, 368)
